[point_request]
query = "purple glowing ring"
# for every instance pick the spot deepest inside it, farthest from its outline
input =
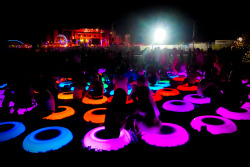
(235, 115)
(196, 99)
(215, 124)
(178, 106)
(170, 135)
(91, 141)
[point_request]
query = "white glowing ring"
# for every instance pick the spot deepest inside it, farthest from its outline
(200, 100)
(235, 115)
(15, 131)
(34, 145)
(60, 115)
(179, 136)
(92, 141)
(87, 100)
(184, 106)
(227, 125)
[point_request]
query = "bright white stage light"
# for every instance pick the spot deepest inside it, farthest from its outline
(160, 35)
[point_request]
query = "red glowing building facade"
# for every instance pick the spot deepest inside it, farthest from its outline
(88, 37)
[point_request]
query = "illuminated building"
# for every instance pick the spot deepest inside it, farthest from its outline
(88, 37)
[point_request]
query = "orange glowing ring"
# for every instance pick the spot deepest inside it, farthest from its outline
(87, 100)
(179, 78)
(65, 96)
(187, 88)
(89, 116)
(60, 115)
(168, 92)
(127, 102)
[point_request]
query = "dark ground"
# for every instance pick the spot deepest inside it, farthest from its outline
(201, 143)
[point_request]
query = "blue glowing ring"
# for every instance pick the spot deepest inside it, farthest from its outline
(34, 145)
(111, 93)
(15, 131)
(63, 84)
(172, 76)
(156, 87)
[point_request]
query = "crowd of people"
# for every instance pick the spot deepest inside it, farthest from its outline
(220, 74)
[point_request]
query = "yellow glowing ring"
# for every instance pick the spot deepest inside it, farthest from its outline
(87, 100)
(90, 117)
(60, 115)
(187, 88)
(167, 92)
(65, 95)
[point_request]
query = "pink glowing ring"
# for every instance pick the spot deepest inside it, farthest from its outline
(91, 141)
(170, 135)
(240, 115)
(215, 124)
(178, 106)
(196, 99)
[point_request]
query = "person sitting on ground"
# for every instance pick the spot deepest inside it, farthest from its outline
(152, 75)
(79, 83)
(23, 93)
(120, 81)
(145, 117)
(98, 88)
(48, 100)
(116, 114)
(192, 75)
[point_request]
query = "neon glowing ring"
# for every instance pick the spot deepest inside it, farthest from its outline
(245, 115)
(187, 88)
(179, 78)
(34, 145)
(90, 116)
(178, 106)
(111, 93)
(196, 99)
(156, 87)
(66, 83)
(164, 83)
(168, 92)
(220, 125)
(174, 135)
(127, 102)
(87, 100)
(156, 97)
(92, 141)
(172, 76)
(17, 129)
(60, 115)
(65, 95)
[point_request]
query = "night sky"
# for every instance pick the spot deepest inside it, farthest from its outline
(30, 22)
